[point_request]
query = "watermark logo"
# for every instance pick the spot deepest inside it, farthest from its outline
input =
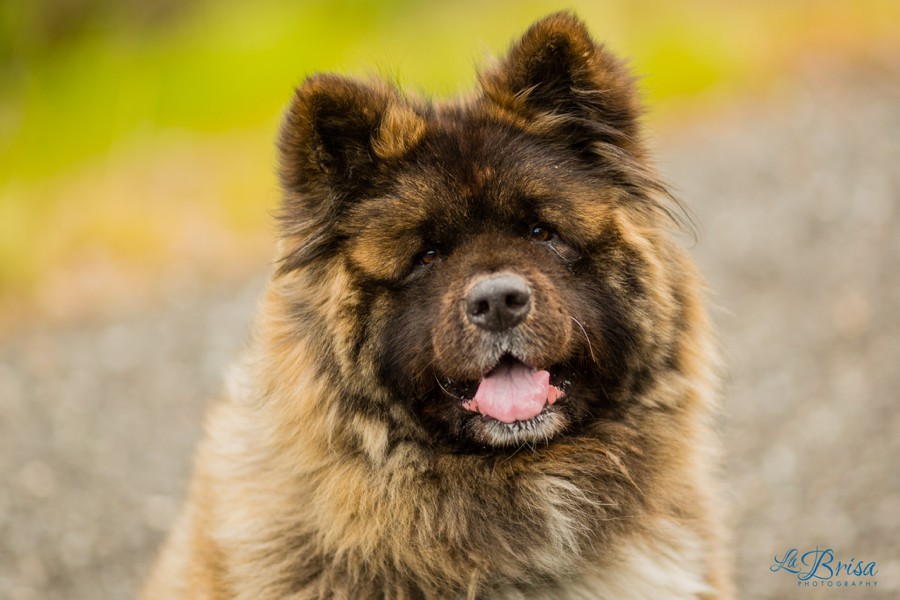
(820, 568)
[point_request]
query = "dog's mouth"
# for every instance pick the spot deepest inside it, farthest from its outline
(512, 402)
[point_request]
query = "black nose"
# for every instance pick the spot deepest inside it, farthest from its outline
(498, 302)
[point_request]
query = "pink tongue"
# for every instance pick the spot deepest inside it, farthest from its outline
(512, 392)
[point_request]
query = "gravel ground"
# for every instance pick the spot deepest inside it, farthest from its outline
(797, 209)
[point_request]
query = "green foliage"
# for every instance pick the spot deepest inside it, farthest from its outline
(232, 65)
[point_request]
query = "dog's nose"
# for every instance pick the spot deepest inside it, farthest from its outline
(498, 302)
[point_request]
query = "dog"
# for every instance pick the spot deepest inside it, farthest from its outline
(483, 367)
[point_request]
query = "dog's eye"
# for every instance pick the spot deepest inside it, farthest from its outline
(428, 257)
(542, 233)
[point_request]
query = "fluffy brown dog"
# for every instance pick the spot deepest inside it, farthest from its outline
(483, 368)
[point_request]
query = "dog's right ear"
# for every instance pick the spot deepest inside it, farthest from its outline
(325, 138)
(337, 133)
(339, 138)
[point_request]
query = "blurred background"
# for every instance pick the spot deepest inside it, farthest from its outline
(136, 195)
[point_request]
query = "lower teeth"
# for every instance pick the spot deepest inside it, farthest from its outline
(528, 425)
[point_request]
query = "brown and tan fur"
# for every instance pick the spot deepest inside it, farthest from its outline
(340, 466)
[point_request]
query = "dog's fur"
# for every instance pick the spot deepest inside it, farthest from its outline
(344, 464)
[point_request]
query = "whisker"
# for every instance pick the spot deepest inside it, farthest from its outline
(552, 247)
(516, 451)
(446, 391)
(603, 389)
(590, 347)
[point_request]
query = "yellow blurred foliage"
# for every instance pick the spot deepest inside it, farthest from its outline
(137, 154)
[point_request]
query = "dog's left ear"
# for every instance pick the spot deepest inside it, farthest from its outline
(556, 77)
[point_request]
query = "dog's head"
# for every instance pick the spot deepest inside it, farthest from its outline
(498, 267)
